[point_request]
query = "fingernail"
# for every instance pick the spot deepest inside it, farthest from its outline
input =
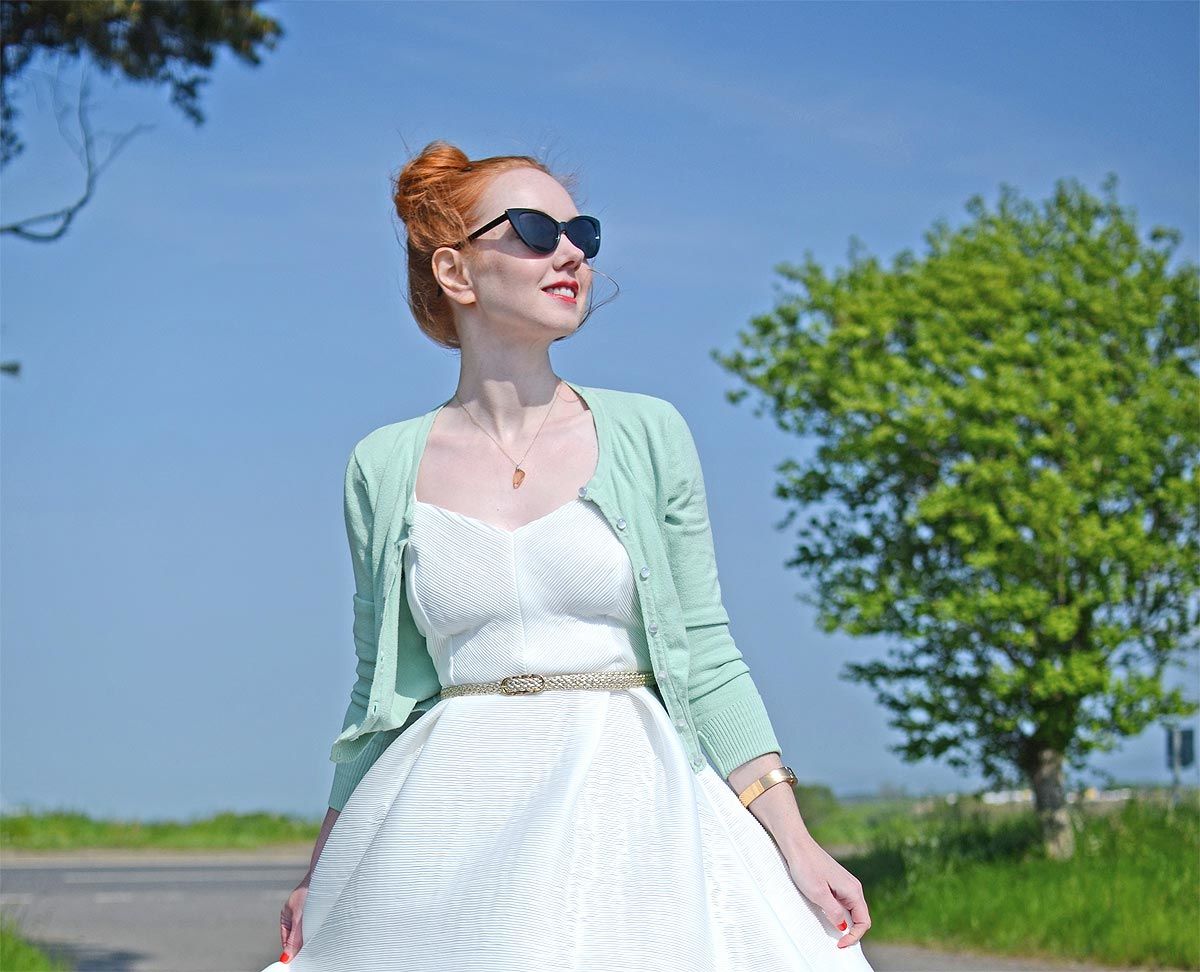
(285, 957)
(842, 926)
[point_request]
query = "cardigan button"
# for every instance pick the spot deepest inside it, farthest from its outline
(583, 492)
(620, 523)
(644, 572)
(653, 627)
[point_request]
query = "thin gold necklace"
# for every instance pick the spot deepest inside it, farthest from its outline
(518, 472)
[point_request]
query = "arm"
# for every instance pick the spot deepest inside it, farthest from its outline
(730, 717)
(776, 809)
(731, 720)
(359, 520)
(359, 528)
(331, 816)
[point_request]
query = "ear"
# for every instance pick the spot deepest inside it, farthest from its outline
(450, 271)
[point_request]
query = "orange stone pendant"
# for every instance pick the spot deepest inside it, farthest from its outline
(518, 477)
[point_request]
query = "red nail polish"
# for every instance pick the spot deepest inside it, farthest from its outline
(285, 957)
(842, 926)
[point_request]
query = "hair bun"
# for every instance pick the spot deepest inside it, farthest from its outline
(427, 178)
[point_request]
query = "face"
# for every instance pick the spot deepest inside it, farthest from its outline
(501, 281)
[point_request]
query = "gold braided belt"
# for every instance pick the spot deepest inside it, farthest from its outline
(532, 684)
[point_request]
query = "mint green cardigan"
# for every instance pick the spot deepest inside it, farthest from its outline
(649, 487)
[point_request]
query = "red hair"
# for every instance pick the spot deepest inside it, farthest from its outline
(435, 195)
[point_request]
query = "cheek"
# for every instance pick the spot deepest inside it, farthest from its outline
(508, 282)
(517, 284)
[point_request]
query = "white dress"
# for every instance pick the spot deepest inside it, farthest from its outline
(564, 830)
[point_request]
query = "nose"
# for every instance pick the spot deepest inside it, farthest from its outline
(569, 251)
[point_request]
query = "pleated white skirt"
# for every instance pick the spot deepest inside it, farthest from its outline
(557, 831)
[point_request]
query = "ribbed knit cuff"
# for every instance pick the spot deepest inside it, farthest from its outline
(733, 725)
(347, 775)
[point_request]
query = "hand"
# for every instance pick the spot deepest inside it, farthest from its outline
(291, 934)
(830, 887)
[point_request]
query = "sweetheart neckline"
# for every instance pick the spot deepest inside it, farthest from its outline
(493, 526)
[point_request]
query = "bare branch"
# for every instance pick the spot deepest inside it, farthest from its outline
(85, 150)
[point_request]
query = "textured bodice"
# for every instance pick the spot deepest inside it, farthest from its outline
(552, 596)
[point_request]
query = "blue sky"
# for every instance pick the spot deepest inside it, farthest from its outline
(176, 583)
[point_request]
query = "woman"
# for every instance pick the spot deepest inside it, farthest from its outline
(554, 756)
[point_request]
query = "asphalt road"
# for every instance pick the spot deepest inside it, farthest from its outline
(218, 912)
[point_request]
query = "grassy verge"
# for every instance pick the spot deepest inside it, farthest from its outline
(17, 953)
(1130, 896)
(224, 831)
(836, 824)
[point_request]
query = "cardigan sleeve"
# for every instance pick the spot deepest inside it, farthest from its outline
(730, 718)
(359, 519)
(359, 528)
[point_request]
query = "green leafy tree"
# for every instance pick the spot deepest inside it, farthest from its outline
(1005, 478)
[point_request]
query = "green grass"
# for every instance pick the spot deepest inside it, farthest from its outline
(1130, 896)
(18, 955)
(68, 830)
(838, 824)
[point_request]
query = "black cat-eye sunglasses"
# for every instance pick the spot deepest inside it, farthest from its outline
(541, 232)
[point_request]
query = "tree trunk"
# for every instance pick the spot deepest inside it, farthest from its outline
(1049, 800)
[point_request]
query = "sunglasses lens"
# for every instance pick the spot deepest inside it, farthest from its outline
(538, 231)
(584, 232)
